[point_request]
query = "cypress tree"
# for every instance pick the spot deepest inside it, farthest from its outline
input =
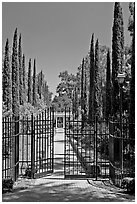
(97, 91)
(24, 78)
(117, 53)
(20, 72)
(132, 81)
(40, 84)
(82, 93)
(108, 88)
(85, 96)
(34, 84)
(6, 78)
(15, 77)
(82, 86)
(75, 102)
(29, 83)
(91, 88)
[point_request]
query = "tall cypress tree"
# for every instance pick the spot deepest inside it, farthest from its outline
(132, 82)
(117, 53)
(40, 84)
(29, 83)
(108, 88)
(15, 77)
(34, 84)
(82, 93)
(91, 88)
(24, 78)
(82, 85)
(85, 96)
(6, 78)
(20, 72)
(97, 91)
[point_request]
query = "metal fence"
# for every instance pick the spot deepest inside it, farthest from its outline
(27, 145)
(122, 150)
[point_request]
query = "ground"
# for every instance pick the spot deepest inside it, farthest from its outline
(54, 188)
(59, 190)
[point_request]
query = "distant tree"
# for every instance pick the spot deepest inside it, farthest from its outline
(75, 102)
(91, 87)
(34, 85)
(117, 53)
(40, 83)
(15, 77)
(47, 94)
(67, 84)
(108, 88)
(6, 78)
(97, 90)
(29, 83)
(20, 72)
(24, 78)
(132, 81)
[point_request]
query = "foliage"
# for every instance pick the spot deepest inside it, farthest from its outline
(132, 81)
(34, 85)
(29, 83)
(6, 78)
(82, 93)
(108, 88)
(17, 83)
(20, 72)
(91, 88)
(24, 78)
(131, 18)
(60, 102)
(65, 91)
(97, 90)
(15, 76)
(117, 54)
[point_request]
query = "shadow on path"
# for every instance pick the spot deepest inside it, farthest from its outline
(54, 188)
(46, 190)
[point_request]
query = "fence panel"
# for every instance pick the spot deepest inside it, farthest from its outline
(122, 151)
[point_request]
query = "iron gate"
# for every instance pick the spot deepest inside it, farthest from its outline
(28, 145)
(36, 145)
(86, 148)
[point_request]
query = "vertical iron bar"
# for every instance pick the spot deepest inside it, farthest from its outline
(27, 134)
(65, 146)
(32, 148)
(13, 148)
(45, 141)
(50, 136)
(39, 153)
(52, 139)
(42, 142)
(96, 143)
(37, 164)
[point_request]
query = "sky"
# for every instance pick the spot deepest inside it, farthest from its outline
(58, 34)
